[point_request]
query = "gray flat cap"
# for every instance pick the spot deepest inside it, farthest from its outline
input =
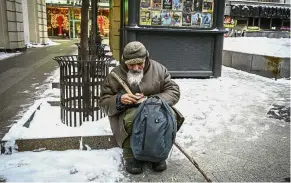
(134, 52)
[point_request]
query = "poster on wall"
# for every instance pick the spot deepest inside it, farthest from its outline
(196, 19)
(145, 3)
(155, 17)
(207, 6)
(166, 18)
(145, 17)
(188, 6)
(186, 20)
(177, 18)
(157, 4)
(206, 20)
(177, 5)
(198, 5)
(167, 4)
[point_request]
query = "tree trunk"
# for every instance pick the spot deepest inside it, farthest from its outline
(85, 58)
(84, 30)
(93, 29)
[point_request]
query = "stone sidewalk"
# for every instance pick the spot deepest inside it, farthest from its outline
(230, 160)
(21, 76)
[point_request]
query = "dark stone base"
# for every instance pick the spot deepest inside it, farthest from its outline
(13, 50)
(66, 143)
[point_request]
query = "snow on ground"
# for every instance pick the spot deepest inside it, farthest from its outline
(4, 55)
(64, 166)
(259, 45)
(211, 107)
(227, 95)
(37, 45)
(52, 125)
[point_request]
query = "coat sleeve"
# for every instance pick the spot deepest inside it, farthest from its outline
(171, 91)
(108, 97)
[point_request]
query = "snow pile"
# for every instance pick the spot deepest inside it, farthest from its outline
(259, 46)
(213, 107)
(64, 166)
(46, 125)
(4, 55)
(37, 45)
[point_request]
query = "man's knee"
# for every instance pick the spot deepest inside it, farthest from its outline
(128, 119)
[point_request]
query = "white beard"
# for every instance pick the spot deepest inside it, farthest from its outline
(134, 77)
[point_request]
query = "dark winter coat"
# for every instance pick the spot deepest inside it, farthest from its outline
(156, 81)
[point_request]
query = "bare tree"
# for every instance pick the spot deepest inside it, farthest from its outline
(93, 36)
(84, 30)
(85, 57)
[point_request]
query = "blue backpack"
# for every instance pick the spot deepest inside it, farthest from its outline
(154, 130)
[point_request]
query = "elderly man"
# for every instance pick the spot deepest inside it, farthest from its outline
(145, 77)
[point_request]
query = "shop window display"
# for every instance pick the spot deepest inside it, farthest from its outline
(176, 13)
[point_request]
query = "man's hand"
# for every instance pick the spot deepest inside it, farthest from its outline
(131, 99)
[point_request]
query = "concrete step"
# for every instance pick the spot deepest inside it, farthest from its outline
(52, 142)
(66, 143)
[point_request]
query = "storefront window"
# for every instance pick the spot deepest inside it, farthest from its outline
(177, 13)
(75, 13)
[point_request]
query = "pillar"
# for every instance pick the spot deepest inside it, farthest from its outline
(114, 27)
(37, 21)
(11, 31)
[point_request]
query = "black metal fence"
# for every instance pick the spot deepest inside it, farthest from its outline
(80, 84)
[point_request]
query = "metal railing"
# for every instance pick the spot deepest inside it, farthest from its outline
(80, 85)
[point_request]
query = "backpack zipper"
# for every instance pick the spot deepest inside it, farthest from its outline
(145, 131)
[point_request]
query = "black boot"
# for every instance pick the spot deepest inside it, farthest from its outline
(133, 166)
(160, 166)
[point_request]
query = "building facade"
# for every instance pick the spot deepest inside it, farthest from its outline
(64, 18)
(22, 22)
(257, 15)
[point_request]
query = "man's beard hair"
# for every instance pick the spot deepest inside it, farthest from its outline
(134, 77)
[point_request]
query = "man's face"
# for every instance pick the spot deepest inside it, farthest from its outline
(135, 67)
(135, 73)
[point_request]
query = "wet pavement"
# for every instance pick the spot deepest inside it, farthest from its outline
(21, 78)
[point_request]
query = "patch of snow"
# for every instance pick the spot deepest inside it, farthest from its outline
(63, 166)
(46, 125)
(37, 45)
(51, 43)
(259, 45)
(4, 55)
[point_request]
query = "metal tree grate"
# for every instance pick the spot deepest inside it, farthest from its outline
(80, 84)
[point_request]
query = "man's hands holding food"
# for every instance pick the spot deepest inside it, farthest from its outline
(127, 99)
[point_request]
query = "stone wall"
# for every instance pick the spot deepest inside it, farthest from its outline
(272, 67)
(13, 15)
(269, 34)
(11, 31)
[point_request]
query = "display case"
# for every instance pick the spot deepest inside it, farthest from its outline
(176, 13)
(184, 35)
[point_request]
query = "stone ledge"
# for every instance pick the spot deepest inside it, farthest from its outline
(271, 67)
(66, 143)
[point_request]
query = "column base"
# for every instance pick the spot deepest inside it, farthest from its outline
(13, 50)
